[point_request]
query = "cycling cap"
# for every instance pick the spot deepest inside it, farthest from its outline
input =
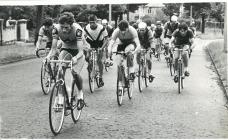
(174, 18)
(123, 25)
(142, 25)
(104, 21)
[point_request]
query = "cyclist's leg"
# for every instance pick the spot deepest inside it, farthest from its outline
(77, 68)
(120, 60)
(64, 55)
(186, 60)
(130, 59)
(100, 66)
(149, 64)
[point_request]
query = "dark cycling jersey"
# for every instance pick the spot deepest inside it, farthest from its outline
(145, 38)
(158, 32)
(182, 40)
(170, 28)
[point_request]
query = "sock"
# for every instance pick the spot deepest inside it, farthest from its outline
(80, 94)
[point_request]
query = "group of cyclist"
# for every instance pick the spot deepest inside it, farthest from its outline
(78, 41)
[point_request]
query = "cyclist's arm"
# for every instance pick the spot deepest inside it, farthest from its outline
(136, 40)
(53, 48)
(171, 41)
(54, 43)
(112, 41)
(38, 42)
(80, 43)
(40, 36)
(165, 30)
(138, 46)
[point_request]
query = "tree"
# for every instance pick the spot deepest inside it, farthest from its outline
(199, 10)
(170, 8)
(132, 8)
(39, 19)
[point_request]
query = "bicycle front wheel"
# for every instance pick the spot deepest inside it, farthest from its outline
(145, 75)
(45, 79)
(91, 78)
(140, 77)
(119, 87)
(75, 112)
(56, 111)
(179, 77)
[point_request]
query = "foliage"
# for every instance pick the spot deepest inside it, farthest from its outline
(217, 11)
(198, 9)
(170, 8)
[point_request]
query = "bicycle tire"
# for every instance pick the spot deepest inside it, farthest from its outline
(55, 91)
(91, 79)
(43, 79)
(119, 90)
(75, 113)
(146, 78)
(171, 67)
(140, 78)
(179, 76)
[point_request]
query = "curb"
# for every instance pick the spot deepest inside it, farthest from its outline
(217, 72)
(4, 62)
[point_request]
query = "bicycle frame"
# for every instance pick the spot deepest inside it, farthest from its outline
(60, 76)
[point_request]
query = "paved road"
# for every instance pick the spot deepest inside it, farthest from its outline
(158, 112)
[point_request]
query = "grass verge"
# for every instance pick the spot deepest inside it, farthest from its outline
(220, 59)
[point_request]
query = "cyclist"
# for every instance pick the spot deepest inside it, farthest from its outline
(73, 40)
(45, 30)
(182, 36)
(110, 30)
(96, 36)
(169, 28)
(157, 33)
(146, 39)
(128, 42)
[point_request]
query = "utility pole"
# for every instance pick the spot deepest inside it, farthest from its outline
(191, 15)
(110, 13)
(225, 29)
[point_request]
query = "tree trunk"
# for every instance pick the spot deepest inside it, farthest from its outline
(39, 19)
(128, 12)
(203, 24)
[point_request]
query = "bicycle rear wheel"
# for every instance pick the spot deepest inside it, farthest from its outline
(45, 79)
(56, 111)
(75, 113)
(119, 87)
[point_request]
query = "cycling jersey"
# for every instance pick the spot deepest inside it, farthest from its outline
(109, 30)
(125, 39)
(95, 37)
(69, 40)
(44, 32)
(145, 38)
(182, 40)
(170, 28)
(158, 32)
